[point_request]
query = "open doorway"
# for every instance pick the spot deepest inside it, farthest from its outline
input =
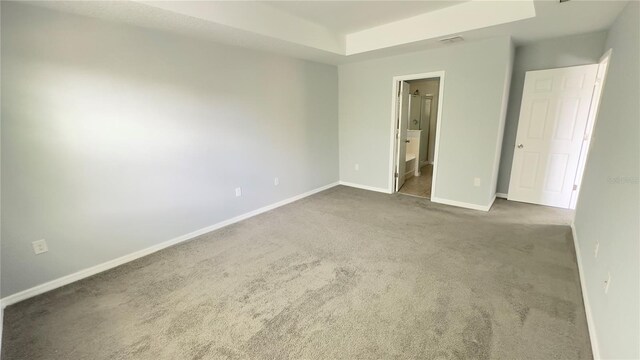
(416, 122)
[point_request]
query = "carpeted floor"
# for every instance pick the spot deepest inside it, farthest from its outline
(343, 274)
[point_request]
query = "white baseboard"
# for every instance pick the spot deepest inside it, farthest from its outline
(585, 299)
(501, 195)
(54, 284)
(433, 199)
(364, 187)
(463, 204)
(493, 200)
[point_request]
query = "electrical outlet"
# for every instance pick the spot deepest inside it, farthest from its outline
(238, 191)
(40, 246)
(356, 167)
(595, 251)
(476, 182)
(607, 283)
(276, 181)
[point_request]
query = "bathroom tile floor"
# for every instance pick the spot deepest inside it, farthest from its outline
(419, 186)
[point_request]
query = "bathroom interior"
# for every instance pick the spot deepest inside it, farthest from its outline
(421, 132)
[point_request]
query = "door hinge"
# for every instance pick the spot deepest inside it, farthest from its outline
(575, 187)
(395, 175)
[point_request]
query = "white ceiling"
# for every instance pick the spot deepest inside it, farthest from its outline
(346, 17)
(339, 32)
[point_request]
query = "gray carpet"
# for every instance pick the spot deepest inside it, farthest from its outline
(343, 274)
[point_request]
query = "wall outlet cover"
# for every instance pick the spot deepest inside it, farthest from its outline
(238, 191)
(476, 182)
(276, 181)
(356, 167)
(40, 246)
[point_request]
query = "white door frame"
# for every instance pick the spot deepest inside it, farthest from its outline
(591, 125)
(392, 132)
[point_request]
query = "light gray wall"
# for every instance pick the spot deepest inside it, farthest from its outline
(546, 54)
(474, 83)
(608, 209)
(116, 138)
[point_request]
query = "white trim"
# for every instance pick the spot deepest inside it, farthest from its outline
(495, 174)
(54, 284)
(501, 195)
(592, 119)
(436, 147)
(365, 187)
(409, 174)
(606, 55)
(591, 326)
(464, 204)
(392, 132)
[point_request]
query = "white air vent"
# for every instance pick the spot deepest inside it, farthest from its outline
(451, 40)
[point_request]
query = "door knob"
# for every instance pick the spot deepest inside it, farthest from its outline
(407, 141)
(520, 146)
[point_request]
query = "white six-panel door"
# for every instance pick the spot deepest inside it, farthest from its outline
(553, 115)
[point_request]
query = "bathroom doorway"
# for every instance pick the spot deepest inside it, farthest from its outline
(416, 122)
